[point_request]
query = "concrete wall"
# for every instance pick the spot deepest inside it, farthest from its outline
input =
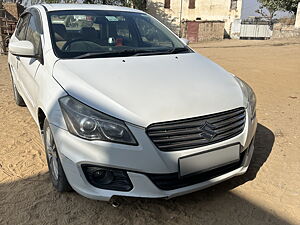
(235, 30)
(297, 23)
(204, 9)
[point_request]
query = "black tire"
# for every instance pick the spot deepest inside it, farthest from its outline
(57, 175)
(18, 98)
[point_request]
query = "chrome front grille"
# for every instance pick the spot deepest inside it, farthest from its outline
(198, 131)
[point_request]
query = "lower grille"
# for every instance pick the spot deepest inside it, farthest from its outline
(198, 131)
(172, 181)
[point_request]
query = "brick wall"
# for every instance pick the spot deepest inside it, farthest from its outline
(203, 30)
(285, 31)
(211, 30)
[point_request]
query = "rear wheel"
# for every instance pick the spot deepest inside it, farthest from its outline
(57, 174)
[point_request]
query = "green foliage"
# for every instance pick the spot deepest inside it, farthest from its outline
(289, 5)
(52, 1)
(138, 4)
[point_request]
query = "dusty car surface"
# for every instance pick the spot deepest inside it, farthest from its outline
(125, 107)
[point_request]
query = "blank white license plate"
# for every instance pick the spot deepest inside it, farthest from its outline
(209, 160)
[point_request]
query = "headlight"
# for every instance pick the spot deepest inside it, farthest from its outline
(90, 124)
(249, 93)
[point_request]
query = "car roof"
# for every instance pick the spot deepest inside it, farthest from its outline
(57, 7)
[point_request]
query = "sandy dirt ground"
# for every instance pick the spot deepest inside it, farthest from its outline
(269, 193)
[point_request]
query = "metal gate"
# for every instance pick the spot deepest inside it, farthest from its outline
(192, 31)
(260, 30)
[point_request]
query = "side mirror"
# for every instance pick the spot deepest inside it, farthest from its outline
(185, 41)
(22, 48)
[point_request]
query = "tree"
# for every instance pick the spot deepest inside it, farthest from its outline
(276, 5)
(289, 5)
(137, 4)
(272, 7)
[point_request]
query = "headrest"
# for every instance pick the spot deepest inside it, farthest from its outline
(88, 33)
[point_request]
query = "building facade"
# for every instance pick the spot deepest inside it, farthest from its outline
(171, 12)
(297, 22)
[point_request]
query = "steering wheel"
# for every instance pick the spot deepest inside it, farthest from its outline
(67, 45)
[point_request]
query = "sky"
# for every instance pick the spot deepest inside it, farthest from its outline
(249, 7)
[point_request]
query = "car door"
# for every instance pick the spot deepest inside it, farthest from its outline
(28, 67)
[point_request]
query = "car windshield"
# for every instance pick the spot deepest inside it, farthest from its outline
(102, 33)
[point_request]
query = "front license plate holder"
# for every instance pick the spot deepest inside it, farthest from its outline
(208, 160)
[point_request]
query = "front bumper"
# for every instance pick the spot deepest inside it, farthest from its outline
(139, 161)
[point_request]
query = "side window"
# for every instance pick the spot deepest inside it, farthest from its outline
(233, 5)
(167, 4)
(22, 27)
(191, 4)
(32, 34)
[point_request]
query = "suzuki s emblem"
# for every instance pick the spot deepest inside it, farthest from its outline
(207, 131)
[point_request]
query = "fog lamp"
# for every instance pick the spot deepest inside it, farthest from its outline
(100, 175)
(107, 178)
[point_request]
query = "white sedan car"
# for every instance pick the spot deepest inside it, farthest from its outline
(125, 107)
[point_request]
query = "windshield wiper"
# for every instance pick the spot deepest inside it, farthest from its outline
(106, 54)
(172, 51)
(180, 50)
(131, 52)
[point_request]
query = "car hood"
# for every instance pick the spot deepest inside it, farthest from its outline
(146, 89)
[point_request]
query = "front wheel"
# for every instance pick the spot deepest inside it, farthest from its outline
(57, 174)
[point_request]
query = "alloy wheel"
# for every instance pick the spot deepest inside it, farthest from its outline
(51, 153)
